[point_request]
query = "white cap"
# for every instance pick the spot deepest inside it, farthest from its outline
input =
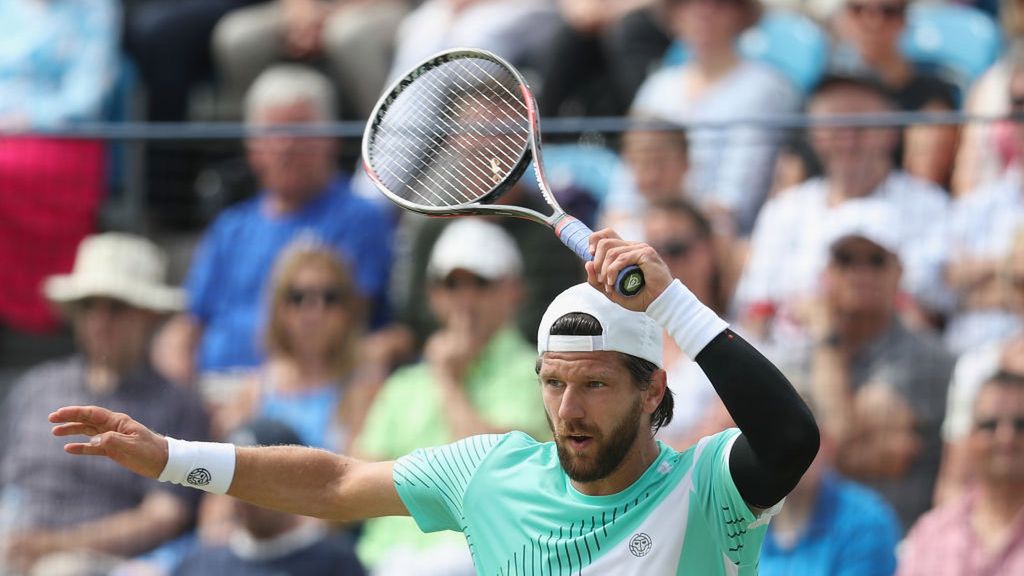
(120, 266)
(476, 246)
(622, 330)
(869, 218)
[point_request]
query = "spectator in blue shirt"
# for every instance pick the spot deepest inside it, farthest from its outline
(303, 195)
(832, 526)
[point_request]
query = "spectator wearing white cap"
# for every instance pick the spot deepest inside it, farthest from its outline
(476, 377)
(881, 387)
(86, 516)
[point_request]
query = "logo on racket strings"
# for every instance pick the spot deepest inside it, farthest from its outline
(495, 171)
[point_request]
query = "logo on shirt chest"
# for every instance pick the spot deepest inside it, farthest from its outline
(640, 545)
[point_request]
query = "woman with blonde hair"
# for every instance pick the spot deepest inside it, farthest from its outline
(314, 326)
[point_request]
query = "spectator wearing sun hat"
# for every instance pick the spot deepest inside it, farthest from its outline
(114, 298)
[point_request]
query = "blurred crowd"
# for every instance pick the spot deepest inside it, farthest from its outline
(879, 264)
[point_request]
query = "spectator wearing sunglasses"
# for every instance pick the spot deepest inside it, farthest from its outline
(477, 376)
(869, 34)
(880, 386)
(312, 338)
(982, 531)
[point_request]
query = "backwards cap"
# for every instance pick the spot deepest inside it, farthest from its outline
(622, 330)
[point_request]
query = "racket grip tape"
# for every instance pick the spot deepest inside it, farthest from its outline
(576, 235)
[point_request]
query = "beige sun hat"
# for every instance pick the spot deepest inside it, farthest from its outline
(120, 266)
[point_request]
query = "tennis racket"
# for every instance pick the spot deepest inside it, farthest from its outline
(456, 132)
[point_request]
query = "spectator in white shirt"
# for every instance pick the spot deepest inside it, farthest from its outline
(787, 249)
(730, 165)
(982, 227)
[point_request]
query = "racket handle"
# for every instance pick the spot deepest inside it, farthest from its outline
(576, 235)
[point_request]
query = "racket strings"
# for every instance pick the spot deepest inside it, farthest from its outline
(453, 135)
(451, 114)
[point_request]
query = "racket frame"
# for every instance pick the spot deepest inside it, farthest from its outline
(572, 232)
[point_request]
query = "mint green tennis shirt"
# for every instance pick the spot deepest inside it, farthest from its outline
(521, 515)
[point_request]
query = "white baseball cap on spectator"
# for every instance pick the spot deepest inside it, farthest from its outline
(120, 266)
(622, 330)
(872, 219)
(476, 246)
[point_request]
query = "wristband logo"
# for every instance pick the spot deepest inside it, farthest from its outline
(640, 545)
(199, 477)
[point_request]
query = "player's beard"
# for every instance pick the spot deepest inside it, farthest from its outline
(608, 450)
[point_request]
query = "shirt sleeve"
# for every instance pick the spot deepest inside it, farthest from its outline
(737, 530)
(84, 84)
(432, 481)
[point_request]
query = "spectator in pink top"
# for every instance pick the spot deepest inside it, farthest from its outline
(982, 532)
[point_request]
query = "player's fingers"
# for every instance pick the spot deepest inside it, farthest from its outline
(95, 415)
(599, 248)
(591, 275)
(84, 449)
(603, 234)
(617, 258)
(74, 429)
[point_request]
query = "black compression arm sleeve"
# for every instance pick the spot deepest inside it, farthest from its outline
(779, 436)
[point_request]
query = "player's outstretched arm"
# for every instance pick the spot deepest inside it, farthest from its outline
(294, 479)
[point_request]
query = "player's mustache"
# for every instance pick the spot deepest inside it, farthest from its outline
(577, 430)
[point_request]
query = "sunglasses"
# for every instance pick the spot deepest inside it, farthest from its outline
(676, 248)
(991, 424)
(844, 259)
(453, 282)
(327, 298)
(891, 11)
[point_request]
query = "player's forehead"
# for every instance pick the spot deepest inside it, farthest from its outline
(600, 365)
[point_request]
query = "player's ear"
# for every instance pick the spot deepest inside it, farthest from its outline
(656, 391)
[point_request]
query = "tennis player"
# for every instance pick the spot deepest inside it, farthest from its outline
(603, 498)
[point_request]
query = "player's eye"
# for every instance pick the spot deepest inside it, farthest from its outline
(552, 383)
(595, 384)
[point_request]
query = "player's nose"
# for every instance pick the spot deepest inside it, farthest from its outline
(570, 406)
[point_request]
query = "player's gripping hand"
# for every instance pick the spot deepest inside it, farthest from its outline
(611, 255)
(113, 435)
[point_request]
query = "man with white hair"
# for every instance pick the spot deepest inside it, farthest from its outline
(302, 193)
(85, 516)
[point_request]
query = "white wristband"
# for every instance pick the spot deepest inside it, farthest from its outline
(208, 466)
(690, 323)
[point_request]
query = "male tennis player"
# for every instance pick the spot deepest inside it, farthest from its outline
(603, 498)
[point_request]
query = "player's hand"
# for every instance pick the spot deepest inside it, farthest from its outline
(611, 255)
(113, 435)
